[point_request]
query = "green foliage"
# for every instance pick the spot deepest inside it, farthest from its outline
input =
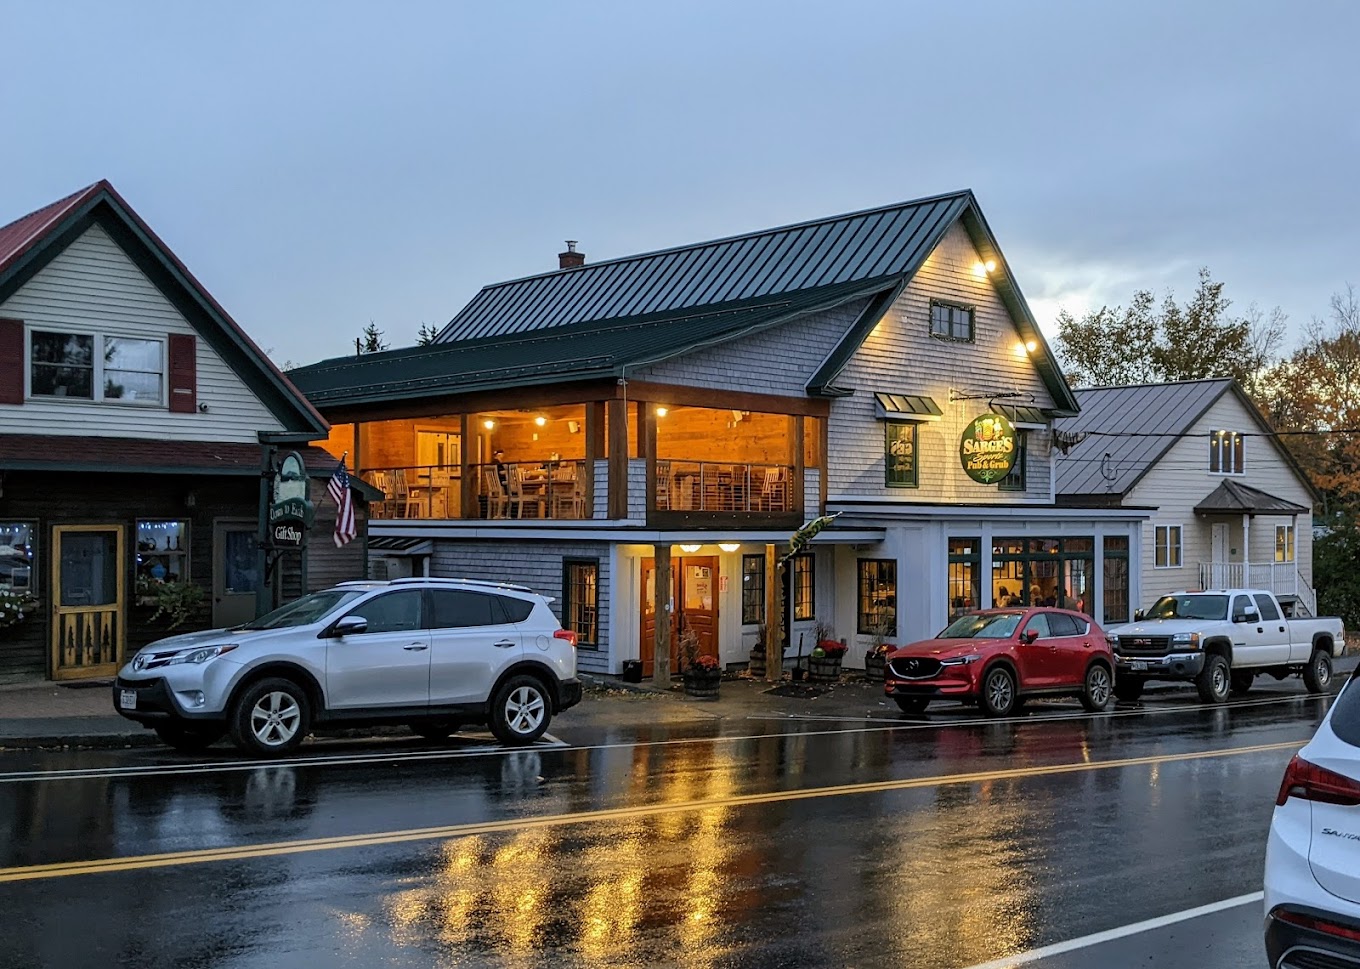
(371, 341)
(14, 607)
(1336, 565)
(1147, 342)
(177, 601)
(426, 334)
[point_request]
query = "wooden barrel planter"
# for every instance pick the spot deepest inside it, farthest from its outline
(757, 664)
(875, 663)
(824, 669)
(702, 684)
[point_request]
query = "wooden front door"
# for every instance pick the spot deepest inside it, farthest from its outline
(694, 592)
(89, 618)
(236, 578)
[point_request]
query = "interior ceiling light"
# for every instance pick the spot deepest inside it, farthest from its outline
(729, 546)
(488, 424)
(690, 549)
(662, 411)
(540, 420)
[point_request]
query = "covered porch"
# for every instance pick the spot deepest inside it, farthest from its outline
(1253, 541)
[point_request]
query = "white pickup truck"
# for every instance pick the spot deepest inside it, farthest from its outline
(1223, 639)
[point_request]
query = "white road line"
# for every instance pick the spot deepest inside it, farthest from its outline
(400, 756)
(1086, 941)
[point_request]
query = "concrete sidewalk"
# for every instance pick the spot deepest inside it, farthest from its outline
(46, 714)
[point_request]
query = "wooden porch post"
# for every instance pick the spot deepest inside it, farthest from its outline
(595, 450)
(647, 449)
(618, 458)
(797, 452)
(661, 654)
(467, 484)
(774, 627)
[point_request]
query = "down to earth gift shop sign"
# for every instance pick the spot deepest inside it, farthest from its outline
(987, 449)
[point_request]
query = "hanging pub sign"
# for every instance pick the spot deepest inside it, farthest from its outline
(988, 448)
(899, 454)
(290, 513)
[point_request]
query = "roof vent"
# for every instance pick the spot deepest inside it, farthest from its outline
(571, 258)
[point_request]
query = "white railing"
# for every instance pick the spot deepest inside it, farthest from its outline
(1281, 578)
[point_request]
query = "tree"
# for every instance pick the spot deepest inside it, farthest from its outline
(1148, 343)
(371, 341)
(425, 336)
(1336, 566)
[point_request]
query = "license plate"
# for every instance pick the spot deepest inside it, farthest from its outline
(127, 699)
(1138, 666)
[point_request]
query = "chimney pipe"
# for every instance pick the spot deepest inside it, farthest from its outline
(571, 258)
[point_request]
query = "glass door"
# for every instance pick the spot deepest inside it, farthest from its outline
(88, 611)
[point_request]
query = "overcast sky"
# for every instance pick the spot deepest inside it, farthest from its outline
(318, 165)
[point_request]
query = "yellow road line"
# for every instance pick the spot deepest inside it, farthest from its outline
(241, 852)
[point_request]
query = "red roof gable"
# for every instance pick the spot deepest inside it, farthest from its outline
(21, 234)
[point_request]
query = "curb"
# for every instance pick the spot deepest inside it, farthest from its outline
(89, 741)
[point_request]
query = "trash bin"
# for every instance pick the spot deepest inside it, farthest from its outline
(632, 671)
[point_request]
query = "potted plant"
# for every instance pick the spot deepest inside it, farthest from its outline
(176, 602)
(15, 607)
(821, 632)
(824, 663)
(702, 674)
(757, 655)
(876, 657)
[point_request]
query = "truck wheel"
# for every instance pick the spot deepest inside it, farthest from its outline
(1215, 680)
(1241, 683)
(520, 711)
(1095, 692)
(914, 705)
(1317, 675)
(1129, 688)
(998, 692)
(189, 739)
(271, 717)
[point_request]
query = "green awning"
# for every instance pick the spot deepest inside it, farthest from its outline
(1021, 415)
(904, 407)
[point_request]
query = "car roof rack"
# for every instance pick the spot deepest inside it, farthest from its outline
(481, 583)
(360, 582)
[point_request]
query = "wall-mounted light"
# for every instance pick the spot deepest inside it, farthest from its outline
(540, 420)
(729, 546)
(690, 549)
(981, 269)
(1031, 346)
(1020, 350)
(662, 411)
(488, 424)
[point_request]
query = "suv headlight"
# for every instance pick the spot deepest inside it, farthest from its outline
(961, 660)
(1185, 639)
(199, 654)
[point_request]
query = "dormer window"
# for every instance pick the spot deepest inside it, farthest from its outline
(1227, 452)
(97, 367)
(951, 321)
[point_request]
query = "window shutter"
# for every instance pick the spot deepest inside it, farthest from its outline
(183, 373)
(11, 361)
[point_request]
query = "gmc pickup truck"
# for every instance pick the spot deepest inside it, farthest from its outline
(1223, 639)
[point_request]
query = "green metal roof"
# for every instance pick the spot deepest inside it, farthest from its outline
(907, 408)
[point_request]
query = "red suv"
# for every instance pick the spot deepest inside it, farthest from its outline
(999, 657)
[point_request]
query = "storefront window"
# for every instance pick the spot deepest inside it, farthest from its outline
(580, 600)
(1042, 572)
(1115, 579)
(752, 589)
(162, 553)
(804, 587)
(965, 567)
(18, 557)
(877, 597)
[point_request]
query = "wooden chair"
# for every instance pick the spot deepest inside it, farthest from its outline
(408, 505)
(497, 501)
(384, 508)
(439, 493)
(514, 483)
(775, 491)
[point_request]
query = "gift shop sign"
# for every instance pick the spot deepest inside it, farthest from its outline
(988, 449)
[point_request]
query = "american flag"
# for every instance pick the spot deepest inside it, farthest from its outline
(338, 489)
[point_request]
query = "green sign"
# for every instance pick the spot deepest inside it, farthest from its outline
(989, 448)
(291, 512)
(899, 454)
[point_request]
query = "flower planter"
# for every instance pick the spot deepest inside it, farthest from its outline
(702, 684)
(824, 669)
(757, 664)
(875, 664)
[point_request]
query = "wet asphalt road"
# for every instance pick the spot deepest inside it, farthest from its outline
(944, 843)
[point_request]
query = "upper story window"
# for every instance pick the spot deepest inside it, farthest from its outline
(1227, 452)
(97, 367)
(950, 321)
(1015, 481)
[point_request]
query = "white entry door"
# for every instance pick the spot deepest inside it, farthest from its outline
(1221, 572)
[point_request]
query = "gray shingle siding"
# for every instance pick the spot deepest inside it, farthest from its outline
(537, 565)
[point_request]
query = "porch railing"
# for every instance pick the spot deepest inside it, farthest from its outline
(511, 490)
(723, 487)
(1281, 578)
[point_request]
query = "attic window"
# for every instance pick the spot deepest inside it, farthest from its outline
(951, 321)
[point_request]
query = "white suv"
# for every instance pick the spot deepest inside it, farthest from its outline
(1312, 880)
(433, 654)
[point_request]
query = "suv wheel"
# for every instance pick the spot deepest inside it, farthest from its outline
(998, 692)
(271, 717)
(435, 729)
(520, 710)
(1095, 692)
(1317, 675)
(189, 739)
(1215, 680)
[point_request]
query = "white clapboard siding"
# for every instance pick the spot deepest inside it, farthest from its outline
(1180, 480)
(901, 357)
(92, 287)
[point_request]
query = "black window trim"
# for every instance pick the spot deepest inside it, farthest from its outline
(971, 309)
(860, 627)
(567, 562)
(758, 606)
(811, 561)
(1018, 479)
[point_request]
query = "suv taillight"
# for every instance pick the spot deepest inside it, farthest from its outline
(1318, 925)
(566, 634)
(1307, 781)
